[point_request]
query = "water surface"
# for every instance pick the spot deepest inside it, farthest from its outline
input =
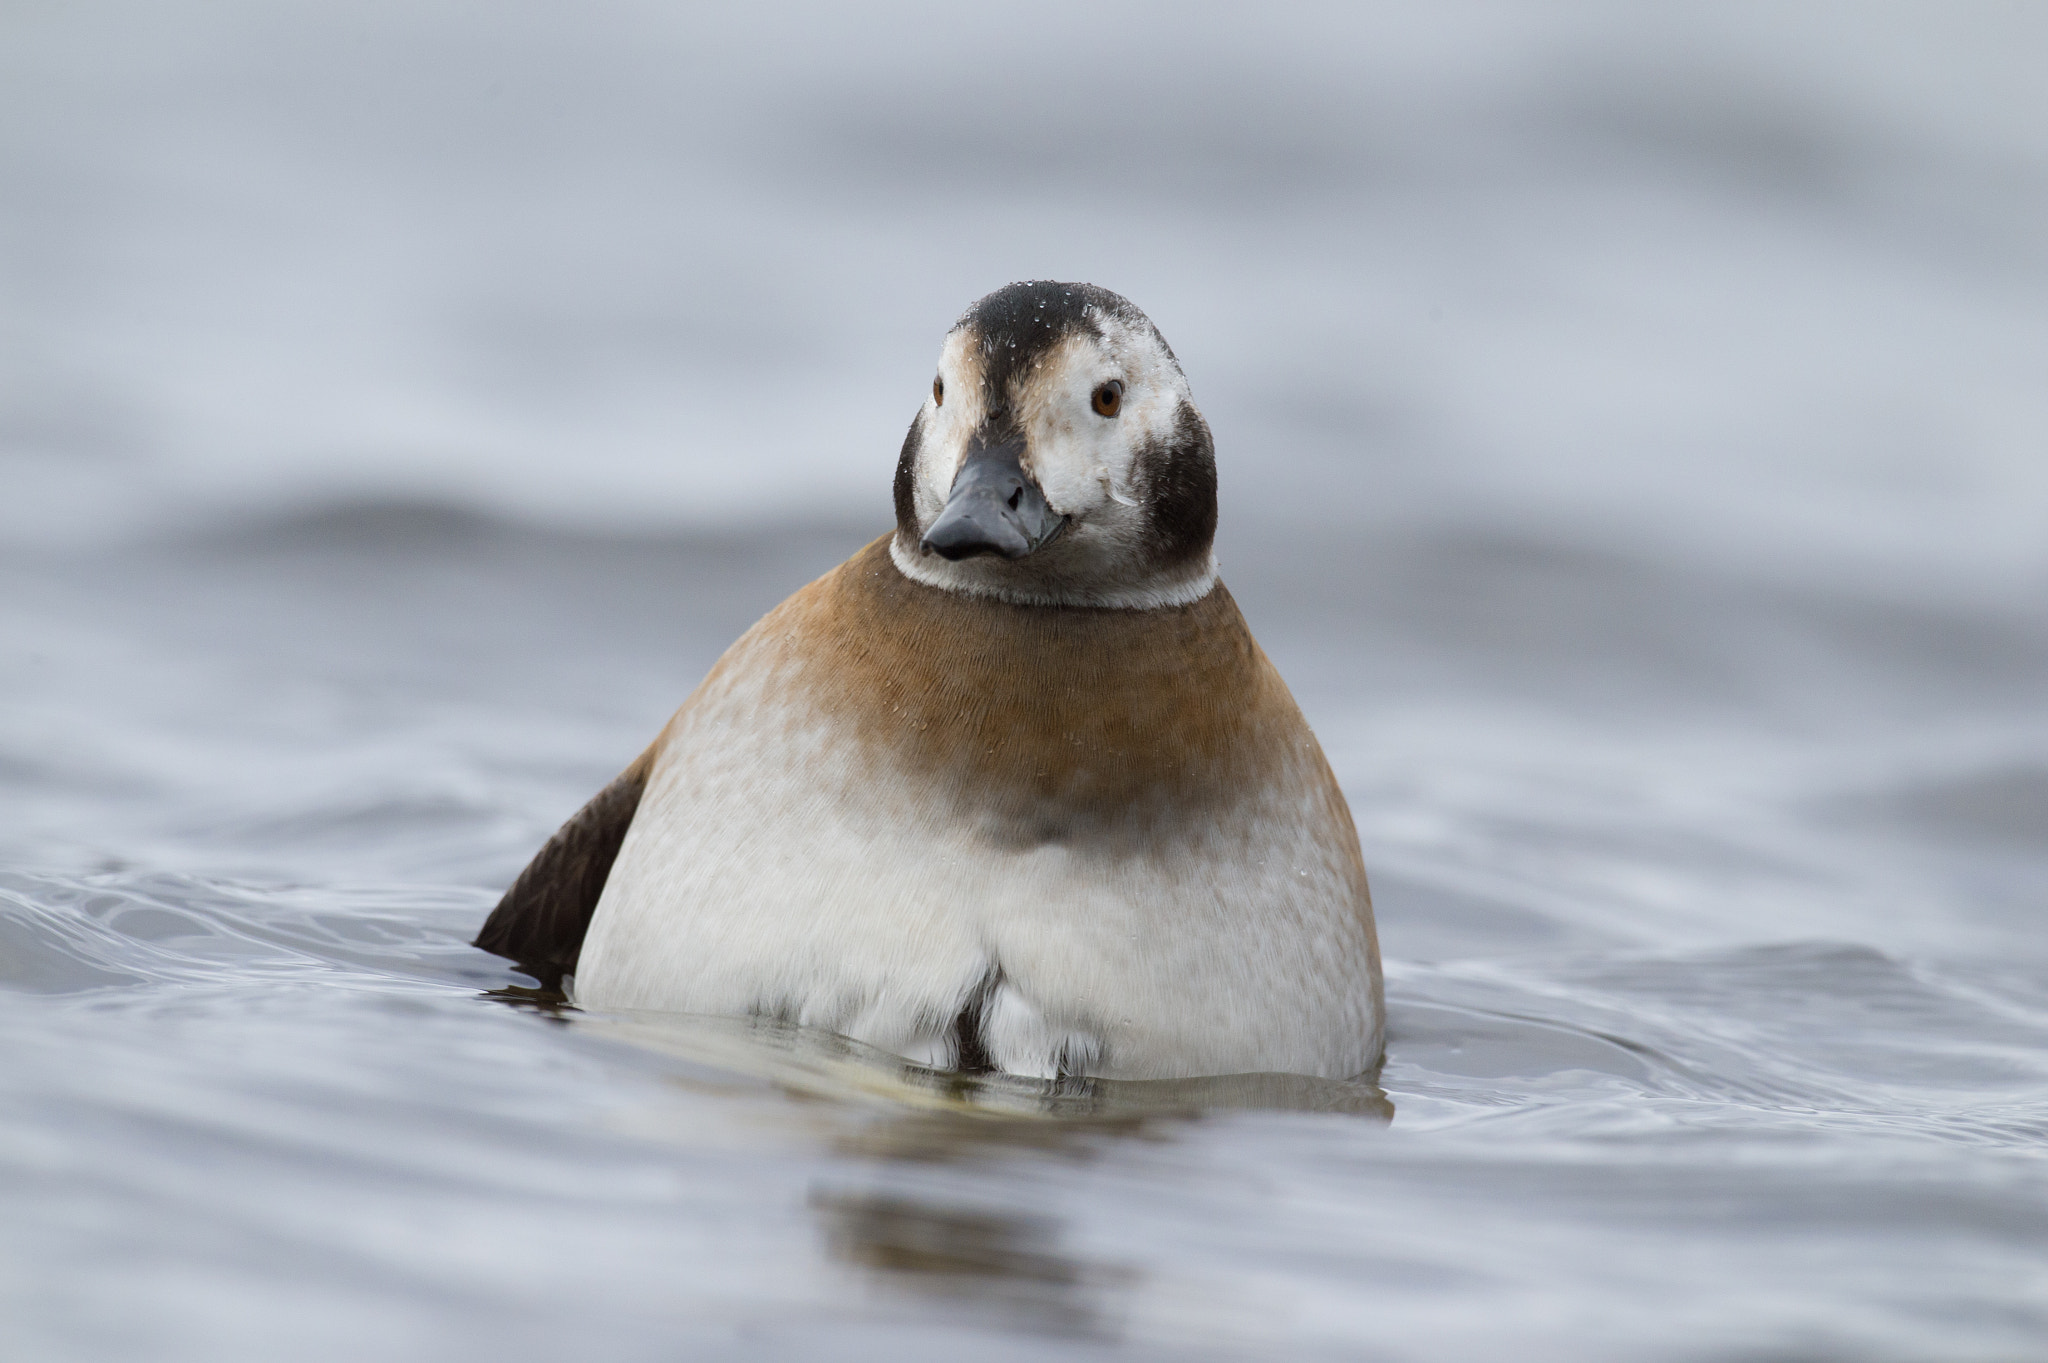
(1630, 425)
(1716, 1019)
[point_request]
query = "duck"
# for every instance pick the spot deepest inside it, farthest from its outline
(1013, 789)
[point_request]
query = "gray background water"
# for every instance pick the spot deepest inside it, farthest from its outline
(1632, 431)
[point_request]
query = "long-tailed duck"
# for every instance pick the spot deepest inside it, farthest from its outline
(1013, 787)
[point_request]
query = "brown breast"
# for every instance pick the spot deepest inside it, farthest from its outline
(1049, 723)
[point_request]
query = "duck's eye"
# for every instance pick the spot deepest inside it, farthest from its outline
(1109, 398)
(938, 391)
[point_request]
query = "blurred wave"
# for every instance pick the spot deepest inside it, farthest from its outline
(67, 934)
(308, 1092)
(1762, 284)
(1630, 423)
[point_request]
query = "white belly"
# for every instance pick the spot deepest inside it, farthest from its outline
(775, 867)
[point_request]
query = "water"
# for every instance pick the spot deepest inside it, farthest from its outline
(1630, 435)
(1717, 1025)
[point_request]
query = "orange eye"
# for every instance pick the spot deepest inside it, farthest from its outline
(938, 392)
(1109, 399)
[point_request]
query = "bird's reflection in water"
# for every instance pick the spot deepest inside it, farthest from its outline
(1001, 1265)
(936, 1164)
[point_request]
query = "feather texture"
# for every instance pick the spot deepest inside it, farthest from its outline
(1108, 833)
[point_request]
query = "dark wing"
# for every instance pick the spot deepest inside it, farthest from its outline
(541, 921)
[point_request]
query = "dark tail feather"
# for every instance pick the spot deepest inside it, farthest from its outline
(542, 920)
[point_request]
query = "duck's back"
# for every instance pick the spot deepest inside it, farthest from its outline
(1044, 838)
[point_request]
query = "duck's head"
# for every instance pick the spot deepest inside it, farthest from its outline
(1059, 459)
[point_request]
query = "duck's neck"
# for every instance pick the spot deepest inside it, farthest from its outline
(1061, 575)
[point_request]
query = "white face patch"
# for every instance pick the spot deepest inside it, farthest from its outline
(949, 424)
(1085, 463)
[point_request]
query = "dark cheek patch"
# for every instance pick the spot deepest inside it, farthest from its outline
(1178, 475)
(906, 477)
